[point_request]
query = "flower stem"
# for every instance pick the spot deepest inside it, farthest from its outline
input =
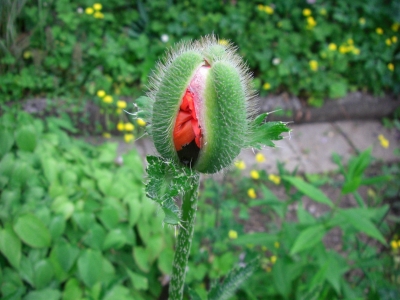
(189, 207)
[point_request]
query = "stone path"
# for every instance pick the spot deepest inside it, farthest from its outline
(310, 146)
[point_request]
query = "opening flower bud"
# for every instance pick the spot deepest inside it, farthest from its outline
(200, 113)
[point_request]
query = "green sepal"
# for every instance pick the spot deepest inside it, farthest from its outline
(168, 98)
(225, 118)
(167, 180)
(264, 133)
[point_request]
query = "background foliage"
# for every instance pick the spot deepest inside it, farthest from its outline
(70, 49)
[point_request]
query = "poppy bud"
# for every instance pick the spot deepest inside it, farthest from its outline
(200, 114)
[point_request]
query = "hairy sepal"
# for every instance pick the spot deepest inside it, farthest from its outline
(225, 118)
(173, 84)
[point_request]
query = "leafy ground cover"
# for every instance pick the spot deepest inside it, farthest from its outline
(70, 49)
(75, 224)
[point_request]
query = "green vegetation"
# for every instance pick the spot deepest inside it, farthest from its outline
(68, 50)
(75, 224)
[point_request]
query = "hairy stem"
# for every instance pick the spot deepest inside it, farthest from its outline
(189, 207)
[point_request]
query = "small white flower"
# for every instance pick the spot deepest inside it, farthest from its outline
(164, 38)
(276, 61)
(79, 10)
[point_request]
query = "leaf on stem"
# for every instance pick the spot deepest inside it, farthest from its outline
(167, 180)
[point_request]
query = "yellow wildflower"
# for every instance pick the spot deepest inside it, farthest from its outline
(98, 15)
(273, 259)
(251, 193)
(97, 6)
(266, 86)
(268, 9)
(356, 51)
(89, 10)
(343, 49)
(128, 137)
(129, 127)
(27, 54)
(108, 99)
(232, 234)
(254, 174)
(361, 21)
(395, 27)
(350, 42)
(323, 11)
(118, 111)
(388, 42)
(390, 66)
(223, 42)
(274, 178)
(141, 122)
(120, 126)
(313, 65)
(260, 157)
(101, 93)
(394, 39)
(277, 245)
(371, 193)
(394, 245)
(106, 135)
(121, 104)
(384, 142)
(260, 7)
(263, 248)
(306, 12)
(240, 164)
(311, 22)
(379, 30)
(332, 47)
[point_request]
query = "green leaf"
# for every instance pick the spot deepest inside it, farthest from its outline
(48, 294)
(115, 239)
(165, 260)
(65, 255)
(117, 292)
(281, 277)
(90, 268)
(264, 133)
(139, 282)
(95, 237)
(338, 88)
(166, 181)
(10, 246)
(25, 138)
(72, 290)
(109, 216)
(356, 168)
(32, 231)
(308, 238)
(232, 282)
(7, 141)
(356, 217)
(309, 190)
(43, 271)
(141, 257)
(259, 238)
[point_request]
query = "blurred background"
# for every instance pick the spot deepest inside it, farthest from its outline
(321, 211)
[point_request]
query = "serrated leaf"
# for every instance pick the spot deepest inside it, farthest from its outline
(232, 282)
(264, 133)
(167, 180)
